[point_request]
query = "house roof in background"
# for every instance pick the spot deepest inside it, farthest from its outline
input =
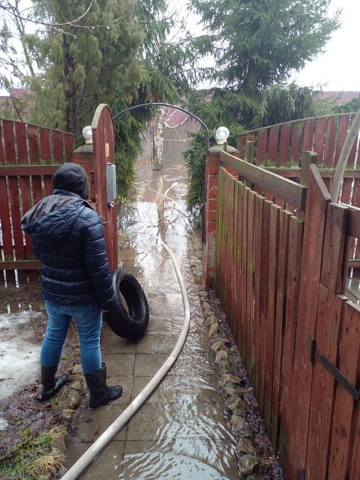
(340, 97)
(16, 93)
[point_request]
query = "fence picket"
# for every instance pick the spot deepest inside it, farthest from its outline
(244, 318)
(264, 268)
(285, 132)
(271, 302)
(250, 283)
(308, 135)
(322, 400)
(354, 469)
(293, 273)
(319, 140)
(261, 146)
(273, 145)
(240, 293)
(281, 272)
(258, 226)
(296, 134)
(342, 440)
(343, 126)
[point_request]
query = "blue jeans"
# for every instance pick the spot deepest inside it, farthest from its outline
(88, 321)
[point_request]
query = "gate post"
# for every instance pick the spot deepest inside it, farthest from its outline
(212, 164)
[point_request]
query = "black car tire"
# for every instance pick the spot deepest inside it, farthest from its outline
(130, 316)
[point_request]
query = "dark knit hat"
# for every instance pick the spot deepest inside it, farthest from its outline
(72, 178)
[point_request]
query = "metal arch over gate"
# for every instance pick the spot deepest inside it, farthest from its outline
(160, 104)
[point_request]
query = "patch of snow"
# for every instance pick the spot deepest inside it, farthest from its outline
(19, 354)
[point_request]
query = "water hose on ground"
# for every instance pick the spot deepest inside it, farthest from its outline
(100, 444)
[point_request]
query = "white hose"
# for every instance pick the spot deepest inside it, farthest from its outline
(99, 445)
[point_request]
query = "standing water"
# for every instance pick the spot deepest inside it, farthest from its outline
(180, 432)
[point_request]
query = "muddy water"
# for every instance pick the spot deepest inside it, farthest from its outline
(192, 441)
(158, 215)
(180, 431)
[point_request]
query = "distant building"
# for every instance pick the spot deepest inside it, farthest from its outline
(12, 103)
(340, 97)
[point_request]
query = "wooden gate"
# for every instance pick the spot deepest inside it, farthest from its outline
(29, 157)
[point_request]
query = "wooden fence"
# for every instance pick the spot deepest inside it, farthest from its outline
(281, 278)
(279, 148)
(29, 156)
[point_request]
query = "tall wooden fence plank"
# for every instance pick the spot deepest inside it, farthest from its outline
(10, 159)
(318, 198)
(271, 303)
(240, 291)
(219, 233)
(354, 469)
(258, 225)
(281, 274)
(244, 317)
(296, 228)
(348, 365)
(322, 401)
(250, 253)
(343, 127)
(319, 140)
(332, 270)
(285, 133)
(236, 261)
(273, 145)
(264, 272)
(330, 143)
(261, 146)
(308, 135)
(296, 133)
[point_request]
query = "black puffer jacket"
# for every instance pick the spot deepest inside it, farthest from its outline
(67, 237)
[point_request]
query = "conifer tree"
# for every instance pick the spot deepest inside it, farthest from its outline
(258, 43)
(83, 65)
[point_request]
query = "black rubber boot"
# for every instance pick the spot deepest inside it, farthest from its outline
(100, 393)
(51, 384)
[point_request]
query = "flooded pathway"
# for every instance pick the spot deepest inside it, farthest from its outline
(180, 431)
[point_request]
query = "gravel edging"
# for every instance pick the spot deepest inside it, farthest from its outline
(256, 459)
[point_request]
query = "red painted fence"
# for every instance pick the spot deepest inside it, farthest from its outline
(281, 278)
(280, 148)
(29, 156)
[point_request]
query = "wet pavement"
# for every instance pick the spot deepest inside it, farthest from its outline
(181, 431)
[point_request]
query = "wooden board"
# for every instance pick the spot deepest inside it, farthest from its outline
(344, 438)
(270, 308)
(296, 228)
(323, 383)
(318, 199)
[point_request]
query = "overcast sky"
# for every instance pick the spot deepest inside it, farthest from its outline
(338, 69)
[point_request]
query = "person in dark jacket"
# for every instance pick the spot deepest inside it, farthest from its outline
(67, 237)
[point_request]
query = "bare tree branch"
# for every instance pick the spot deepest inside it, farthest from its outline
(10, 9)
